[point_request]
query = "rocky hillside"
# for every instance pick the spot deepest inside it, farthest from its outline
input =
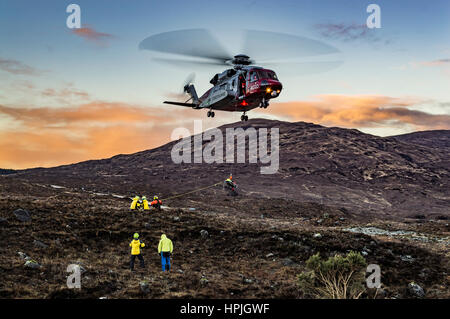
(394, 176)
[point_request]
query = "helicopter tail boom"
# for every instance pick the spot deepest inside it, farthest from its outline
(193, 105)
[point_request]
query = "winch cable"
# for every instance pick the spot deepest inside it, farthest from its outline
(194, 191)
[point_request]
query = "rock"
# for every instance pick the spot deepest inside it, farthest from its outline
(32, 264)
(248, 281)
(204, 281)
(262, 216)
(341, 219)
(147, 225)
(407, 258)
(364, 253)
(288, 262)
(22, 215)
(416, 290)
(204, 233)
(269, 255)
(144, 286)
(180, 271)
(3, 221)
(39, 244)
(22, 255)
(317, 235)
(176, 218)
(319, 221)
(103, 298)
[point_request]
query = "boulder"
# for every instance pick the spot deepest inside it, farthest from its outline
(415, 290)
(144, 286)
(32, 264)
(204, 281)
(407, 258)
(204, 233)
(22, 255)
(22, 215)
(288, 262)
(39, 244)
(317, 235)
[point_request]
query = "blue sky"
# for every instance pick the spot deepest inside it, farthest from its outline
(405, 64)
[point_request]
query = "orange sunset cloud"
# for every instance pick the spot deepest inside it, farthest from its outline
(50, 136)
(55, 136)
(360, 111)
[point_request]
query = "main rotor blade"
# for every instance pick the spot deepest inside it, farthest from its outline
(190, 63)
(193, 42)
(302, 68)
(266, 45)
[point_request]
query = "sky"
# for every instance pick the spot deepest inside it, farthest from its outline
(68, 95)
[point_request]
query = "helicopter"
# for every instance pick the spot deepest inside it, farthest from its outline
(243, 86)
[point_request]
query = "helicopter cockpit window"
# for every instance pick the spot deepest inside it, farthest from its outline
(253, 76)
(268, 75)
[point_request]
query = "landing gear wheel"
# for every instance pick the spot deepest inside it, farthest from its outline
(244, 117)
(212, 114)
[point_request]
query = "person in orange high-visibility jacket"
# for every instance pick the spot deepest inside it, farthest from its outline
(156, 203)
(165, 249)
(136, 246)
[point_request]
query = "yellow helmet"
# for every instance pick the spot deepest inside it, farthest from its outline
(155, 197)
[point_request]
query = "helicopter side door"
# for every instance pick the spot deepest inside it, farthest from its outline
(253, 84)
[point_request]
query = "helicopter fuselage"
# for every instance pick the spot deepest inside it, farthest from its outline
(241, 89)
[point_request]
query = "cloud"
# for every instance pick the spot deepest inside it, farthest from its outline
(50, 136)
(437, 62)
(359, 111)
(91, 35)
(346, 32)
(17, 67)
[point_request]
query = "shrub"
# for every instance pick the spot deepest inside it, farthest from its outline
(337, 277)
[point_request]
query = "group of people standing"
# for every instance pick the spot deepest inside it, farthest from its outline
(165, 249)
(139, 203)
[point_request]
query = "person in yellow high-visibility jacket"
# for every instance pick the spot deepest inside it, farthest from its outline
(136, 246)
(134, 202)
(165, 249)
(145, 202)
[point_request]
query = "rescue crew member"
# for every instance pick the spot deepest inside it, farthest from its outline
(136, 199)
(156, 203)
(145, 202)
(165, 249)
(136, 246)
